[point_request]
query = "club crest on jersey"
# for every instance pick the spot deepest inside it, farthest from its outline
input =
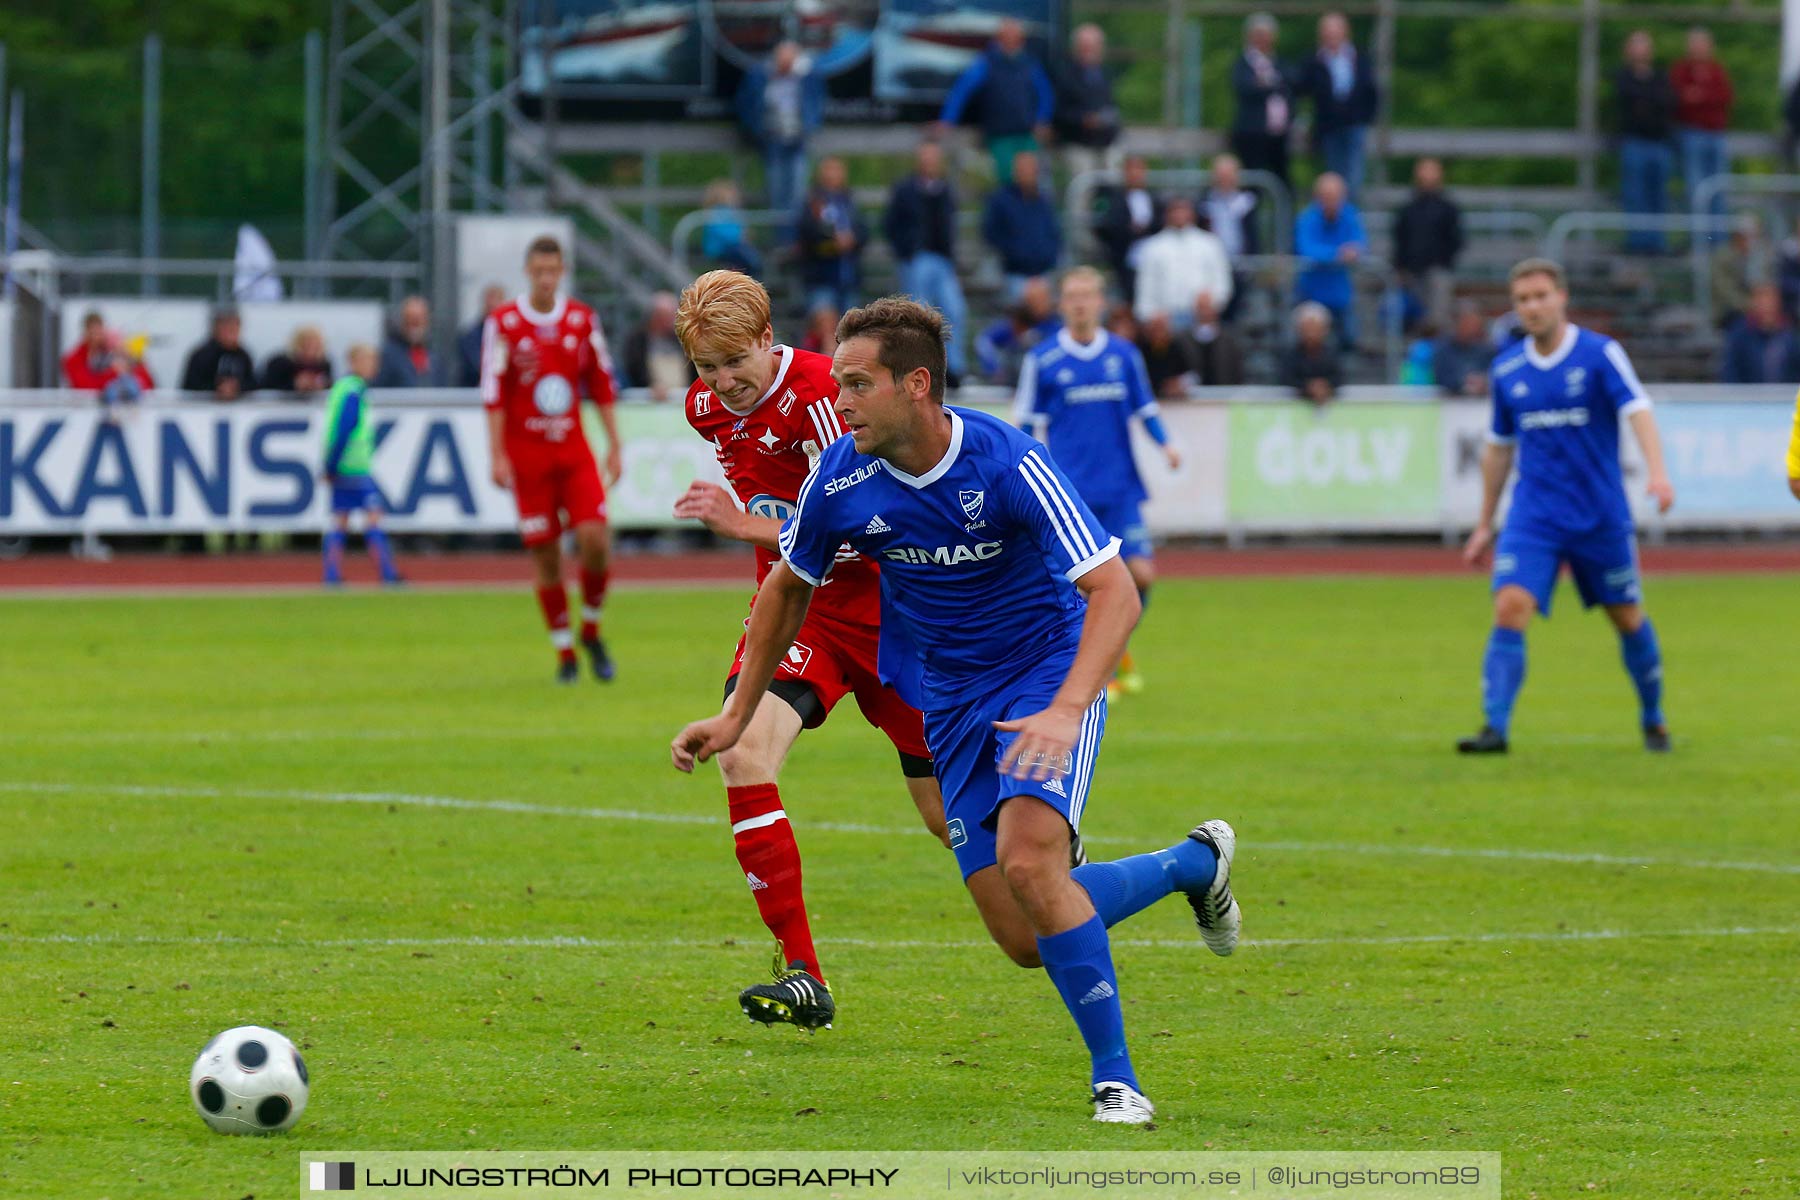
(553, 396)
(786, 404)
(1114, 368)
(1575, 381)
(971, 504)
(702, 403)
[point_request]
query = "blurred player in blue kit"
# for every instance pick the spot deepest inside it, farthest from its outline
(1558, 397)
(1004, 609)
(1078, 393)
(349, 452)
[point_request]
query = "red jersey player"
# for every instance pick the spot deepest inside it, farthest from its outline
(536, 353)
(767, 409)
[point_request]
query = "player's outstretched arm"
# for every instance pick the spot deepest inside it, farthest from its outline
(1047, 739)
(1496, 465)
(775, 621)
(500, 465)
(713, 507)
(1649, 440)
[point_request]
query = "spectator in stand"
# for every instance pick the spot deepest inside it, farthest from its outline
(832, 236)
(1012, 95)
(1001, 348)
(723, 240)
(1168, 357)
(1021, 223)
(1229, 211)
(104, 362)
(406, 358)
(1311, 365)
(1120, 323)
(303, 369)
(1181, 266)
(1762, 348)
(920, 225)
(1217, 352)
(779, 105)
(1329, 237)
(1461, 358)
(1788, 274)
(1646, 109)
(1702, 111)
(1419, 366)
(1087, 116)
(1127, 213)
(1265, 101)
(220, 364)
(821, 330)
(468, 342)
(1427, 238)
(653, 356)
(1737, 266)
(1341, 84)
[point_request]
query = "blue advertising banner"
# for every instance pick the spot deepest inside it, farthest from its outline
(1727, 460)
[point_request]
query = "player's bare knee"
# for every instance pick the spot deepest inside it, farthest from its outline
(1022, 950)
(1513, 607)
(1035, 877)
(1626, 618)
(747, 764)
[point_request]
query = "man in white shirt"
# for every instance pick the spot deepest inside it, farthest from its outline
(1179, 266)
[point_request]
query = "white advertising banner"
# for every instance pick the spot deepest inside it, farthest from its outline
(1190, 500)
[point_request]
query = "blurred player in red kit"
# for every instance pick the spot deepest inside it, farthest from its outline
(767, 410)
(536, 354)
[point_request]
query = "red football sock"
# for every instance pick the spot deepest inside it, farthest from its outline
(555, 603)
(593, 593)
(771, 862)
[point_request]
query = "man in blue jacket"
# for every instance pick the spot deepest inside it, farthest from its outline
(780, 104)
(1013, 95)
(1021, 223)
(1762, 347)
(1329, 238)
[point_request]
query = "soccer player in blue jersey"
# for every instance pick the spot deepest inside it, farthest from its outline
(1558, 398)
(1004, 609)
(1078, 393)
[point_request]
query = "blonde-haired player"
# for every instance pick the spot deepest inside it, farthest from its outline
(767, 410)
(1793, 457)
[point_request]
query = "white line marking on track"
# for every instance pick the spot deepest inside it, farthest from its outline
(408, 799)
(725, 941)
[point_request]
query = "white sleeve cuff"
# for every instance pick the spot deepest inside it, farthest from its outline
(1635, 404)
(1110, 550)
(812, 579)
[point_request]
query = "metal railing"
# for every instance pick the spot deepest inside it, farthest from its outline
(1078, 198)
(681, 236)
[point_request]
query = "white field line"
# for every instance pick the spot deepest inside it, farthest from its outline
(723, 941)
(273, 591)
(407, 799)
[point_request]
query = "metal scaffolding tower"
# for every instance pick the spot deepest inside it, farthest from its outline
(415, 93)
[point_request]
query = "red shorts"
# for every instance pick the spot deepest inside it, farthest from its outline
(555, 496)
(835, 660)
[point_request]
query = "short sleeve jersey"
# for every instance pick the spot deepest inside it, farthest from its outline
(767, 450)
(978, 556)
(533, 368)
(1563, 411)
(1080, 398)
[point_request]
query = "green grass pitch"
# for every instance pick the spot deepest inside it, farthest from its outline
(371, 819)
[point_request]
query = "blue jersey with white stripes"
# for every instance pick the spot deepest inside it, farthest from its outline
(1563, 411)
(1080, 399)
(978, 556)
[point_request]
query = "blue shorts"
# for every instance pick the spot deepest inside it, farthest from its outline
(353, 493)
(1125, 521)
(1603, 562)
(966, 750)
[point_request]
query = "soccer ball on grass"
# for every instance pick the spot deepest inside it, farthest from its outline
(249, 1080)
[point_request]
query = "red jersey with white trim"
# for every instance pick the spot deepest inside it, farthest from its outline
(767, 451)
(533, 367)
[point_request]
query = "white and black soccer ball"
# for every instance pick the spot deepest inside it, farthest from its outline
(249, 1080)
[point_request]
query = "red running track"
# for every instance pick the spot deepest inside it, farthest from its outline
(140, 572)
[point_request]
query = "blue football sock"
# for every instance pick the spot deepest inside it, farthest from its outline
(1126, 886)
(334, 555)
(384, 554)
(1079, 963)
(1502, 672)
(1643, 659)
